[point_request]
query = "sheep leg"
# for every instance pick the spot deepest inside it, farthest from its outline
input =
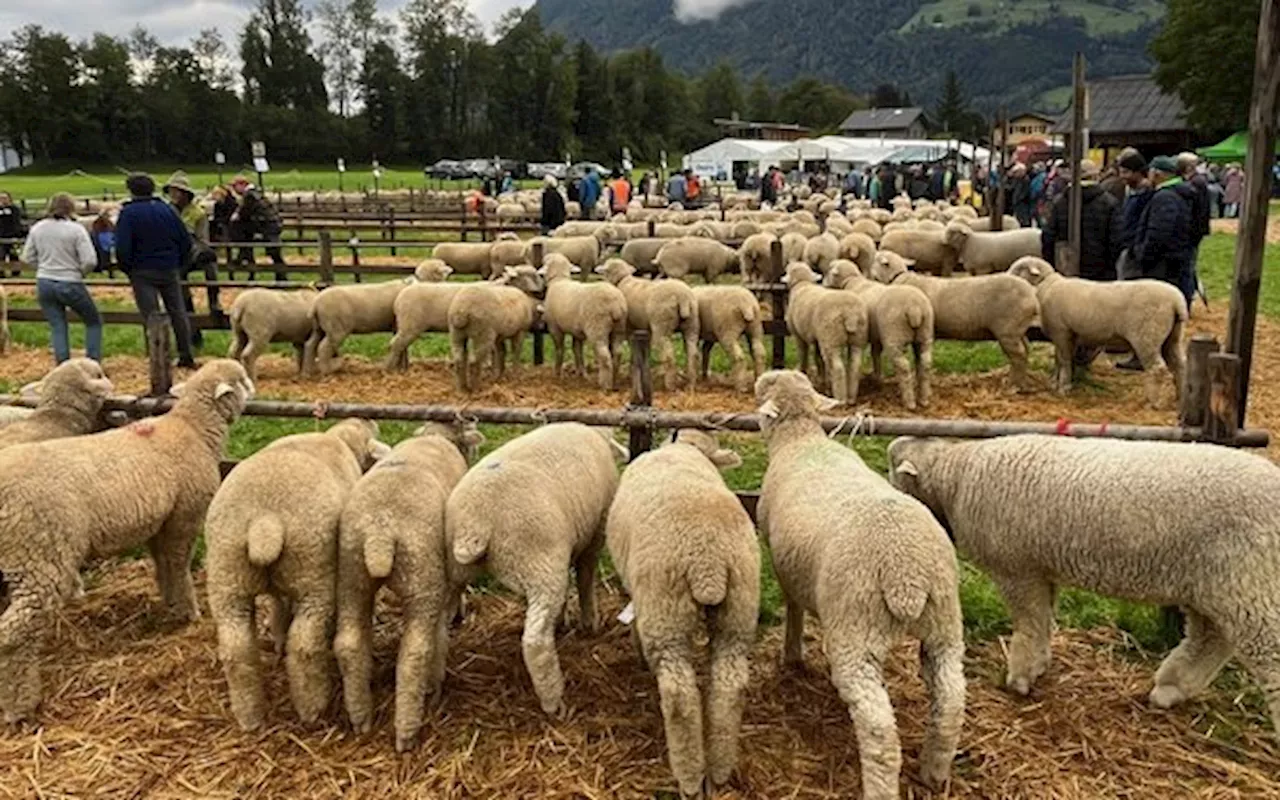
(681, 711)
(171, 550)
(836, 370)
(666, 359)
(855, 671)
(458, 357)
(557, 342)
(705, 361)
(415, 671)
(604, 362)
(1155, 373)
(1193, 664)
(1176, 359)
(329, 358)
(924, 372)
(238, 652)
(238, 341)
(499, 358)
(281, 619)
(1030, 601)
(853, 374)
(942, 667)
(616, 340)
(353, 647)
(546, 602)
(1261, 655)
(299, 358)
(731, 643)
(24, 624)
(876, 350)
(579, 360)
(691, 337)
(398, 355)
(802, 360)
(755, 338)
(902, 374)
(484, 348)
(1063, 356)
(1015, 349)
(584, 567)
(309, 351)
(793, 650)
(307, 654)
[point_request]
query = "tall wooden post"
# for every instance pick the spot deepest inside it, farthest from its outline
(159, 369)
(1251, 238)
(1068, 259)
(538, 357)
(779, 307)
(1224, 398)
(641, 391)
(326, 258)
(997, 210)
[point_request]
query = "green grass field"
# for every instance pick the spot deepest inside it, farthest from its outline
(995, 16)
(984, 610)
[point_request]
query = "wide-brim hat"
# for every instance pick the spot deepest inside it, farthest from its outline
(178, 180)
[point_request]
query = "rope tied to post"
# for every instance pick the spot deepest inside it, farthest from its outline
(320, 409)
(539, 415)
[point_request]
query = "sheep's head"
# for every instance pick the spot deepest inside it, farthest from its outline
(78, 383)
(957, 233)
(841, 273)
(910, 460)
(524, 277)
(708, 445)
(462, 434)
(615, 270)
(785, 394)
(508, 236)
(557, 267)
(361, 437)
(798, 274)
(221, 384)
(889, 266)
(432, 270)
(1032, 270)
(605, 233)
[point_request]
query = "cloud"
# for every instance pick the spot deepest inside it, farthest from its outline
(697, 10)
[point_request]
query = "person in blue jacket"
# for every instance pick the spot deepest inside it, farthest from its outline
(589, 193)
(153, 246)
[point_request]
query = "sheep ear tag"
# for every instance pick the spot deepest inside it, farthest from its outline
(31, 390)
(179, 389)
(769, 409)
(379, 450)
(907, 468)
(628, 614)
(827, 403)
(1034, 270)
(575, 269)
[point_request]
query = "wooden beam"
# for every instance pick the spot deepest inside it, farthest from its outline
(160, 371)
(1070, 264)
(1224, 398)
(997, 210)
(641, 438)
(1195, 390)
(1251, 238)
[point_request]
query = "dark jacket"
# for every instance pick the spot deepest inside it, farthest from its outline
(1132, 210)
(11, 226)
(150, 237)
(768, 191)
(1202, 210)
(1018, 197)
(257, 214)
(1101, 231)
(552, 209)
(1163, 241)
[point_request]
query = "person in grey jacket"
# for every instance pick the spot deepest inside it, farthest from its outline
(60, 250)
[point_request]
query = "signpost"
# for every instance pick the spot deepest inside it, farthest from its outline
(377, 176)
(220, 158)
(626, 162)
(342, 167)
(260, 165)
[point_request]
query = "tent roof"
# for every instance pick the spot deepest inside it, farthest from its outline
(872, 150)
(1128, 104)
(1233, 148)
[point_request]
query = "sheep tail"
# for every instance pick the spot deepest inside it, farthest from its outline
(905, 595)
(915, 317)
(750, 312)
(471, 543)
(266, 540)
(708, 580)
(687, 308)
(380, 547)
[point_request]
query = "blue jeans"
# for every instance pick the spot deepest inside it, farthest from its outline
(55, 298)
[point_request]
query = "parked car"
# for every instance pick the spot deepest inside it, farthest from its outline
(444, 169)
(580, 170)
(539, 170)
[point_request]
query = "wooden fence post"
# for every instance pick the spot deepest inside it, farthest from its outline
(538, 339)
(1195, 388)
(326, 258)
(1071, 265)
(160, 371)
(1224, 398)
(997, 209)
(641, 391)
(779, 307)
(301, 228)
(391, 226)
(653, 225)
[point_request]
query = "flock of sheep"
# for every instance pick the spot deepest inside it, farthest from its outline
(886, 280)
(872, 559)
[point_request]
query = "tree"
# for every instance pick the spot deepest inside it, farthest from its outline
(341, 60)
(952, 106)
(814, 104)
(211, 53)
(532, 93)
(279, 68)
(445, 58)
(382, 86)
(594, 123)
(1198, 39)
(721, 92)
(41, 97)
(760, 99)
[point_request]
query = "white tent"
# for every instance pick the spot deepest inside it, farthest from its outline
(718, 158)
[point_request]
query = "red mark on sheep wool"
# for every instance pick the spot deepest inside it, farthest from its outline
(143, 428)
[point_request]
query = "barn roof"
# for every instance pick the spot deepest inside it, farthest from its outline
(881, 119)
(1129, 104)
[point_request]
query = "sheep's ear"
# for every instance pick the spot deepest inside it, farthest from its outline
(249, 388)
(100, 386)
(542, 270)
(31, 390)
(907, 468)
(378, 450)
(221, 390)
(1034, 270)
(472, 437)
(511, 272)
(575, 269)
(825, 403)
(910, 262)
(599, 270)
(726, 459)
(180, 389)
(786, 279)
(768, 410)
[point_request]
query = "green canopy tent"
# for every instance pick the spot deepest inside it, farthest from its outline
(1232, 148)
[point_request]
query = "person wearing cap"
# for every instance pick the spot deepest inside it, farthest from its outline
(182, 197)
(257, 217)
(1163, 241)
(154, 249)
(553, 212)
(1101, 227)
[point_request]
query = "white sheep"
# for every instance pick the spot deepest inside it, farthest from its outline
(70, 404)
(506, 253)
(726, 314)
(755, 259)
(262, 316)
(484, 317)
(582, 251)
(872, 565)
(270, 534)
(989, 307)
(594, 314)
(517, 516)
(340, 311)
(820, 251)
(63, 506)
(419, 308)
(466, 258)
(695, 255)
(985, 253)
(1189, 525)
(984, 223)
(640, 253)
(664, 308)
(1147, 316)
(392, 534)
(926, 250)
(793, 245)
(897, 317)
(686, 553)
(833, 322)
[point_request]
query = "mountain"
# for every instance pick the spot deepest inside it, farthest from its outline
(1011, 52)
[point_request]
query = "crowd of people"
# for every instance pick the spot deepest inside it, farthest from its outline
(155, 241)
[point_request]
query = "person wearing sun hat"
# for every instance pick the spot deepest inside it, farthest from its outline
(193, 215)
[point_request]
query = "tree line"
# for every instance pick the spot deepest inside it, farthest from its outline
(423, 85)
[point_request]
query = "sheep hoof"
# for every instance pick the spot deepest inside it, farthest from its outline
(935, 773)
(1019, 685)
(1167, 696)
(556, 709)
(406, 742)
